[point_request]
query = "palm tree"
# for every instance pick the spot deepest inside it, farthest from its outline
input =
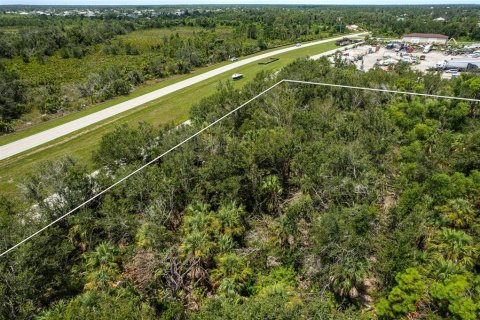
(229, 218)
(197, 244)
(459, 213)
(198, 207)
(197, 249)
(102, 267)
(198, 219)
(104, 256)
(225, 243)
(272, 188)
(454, 245)
(232, 267)
(101, 279)
(347, 279)
(228, 287)
(442, 269)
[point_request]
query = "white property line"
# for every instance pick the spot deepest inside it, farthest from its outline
(382, 90)
(214, 123)
(137, 170)
(48, 135)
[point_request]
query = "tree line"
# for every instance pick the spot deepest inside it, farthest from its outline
(250, 29)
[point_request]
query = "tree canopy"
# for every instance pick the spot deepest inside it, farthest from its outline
(311, 202)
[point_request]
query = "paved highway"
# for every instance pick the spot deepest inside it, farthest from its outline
(43, 137)
(330, 52)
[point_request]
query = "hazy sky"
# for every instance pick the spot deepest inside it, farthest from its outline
(173, 2)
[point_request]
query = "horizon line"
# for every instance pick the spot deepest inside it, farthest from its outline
(243, 4)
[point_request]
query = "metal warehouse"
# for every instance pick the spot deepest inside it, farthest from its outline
(432, 38)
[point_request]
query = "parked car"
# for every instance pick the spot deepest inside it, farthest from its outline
(422, 57)
(298, 45)
(427, 48)
(233, 59)
(237, 76)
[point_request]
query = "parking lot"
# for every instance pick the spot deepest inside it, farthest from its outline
(370, 60)
(366, 58)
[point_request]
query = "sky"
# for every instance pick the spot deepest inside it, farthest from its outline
(176, 2)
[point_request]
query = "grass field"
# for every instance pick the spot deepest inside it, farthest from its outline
(172, 108)
(146, 38)
(57, 70)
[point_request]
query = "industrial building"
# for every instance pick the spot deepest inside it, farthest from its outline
(424, 38)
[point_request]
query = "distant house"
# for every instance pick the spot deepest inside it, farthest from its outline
(352, 27)
(432, 38)
(440, 19)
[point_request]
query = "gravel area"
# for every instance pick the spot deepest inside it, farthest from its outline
(431, 58)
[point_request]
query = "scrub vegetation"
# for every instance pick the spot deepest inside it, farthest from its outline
(310, 203)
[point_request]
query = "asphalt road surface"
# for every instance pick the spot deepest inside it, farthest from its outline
(43, 137)
(330, 52)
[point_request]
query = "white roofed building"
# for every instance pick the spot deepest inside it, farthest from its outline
(423, 38)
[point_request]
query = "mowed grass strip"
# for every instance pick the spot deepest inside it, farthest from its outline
(171, 108)
(141, 90)
(158, 84)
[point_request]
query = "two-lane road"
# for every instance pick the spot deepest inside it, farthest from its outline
(43, 137)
